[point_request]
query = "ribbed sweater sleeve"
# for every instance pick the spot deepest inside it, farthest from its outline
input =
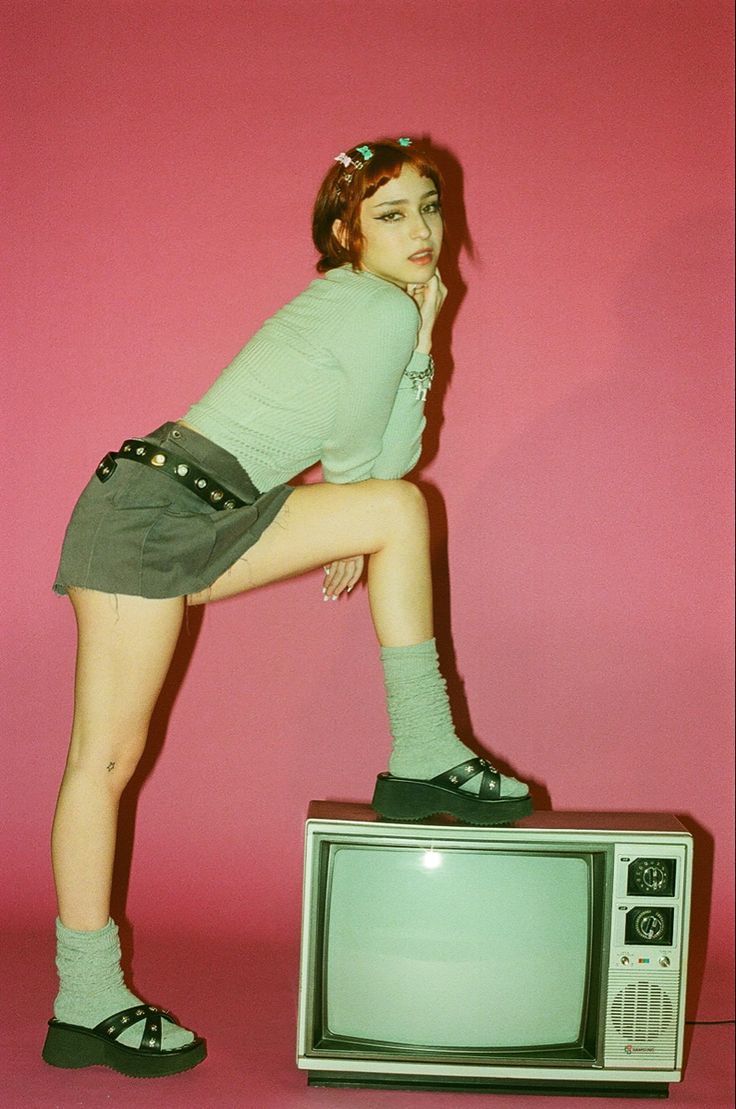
(402, 439)
(377, 425)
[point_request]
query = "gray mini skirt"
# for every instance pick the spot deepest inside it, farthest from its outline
(141, 532)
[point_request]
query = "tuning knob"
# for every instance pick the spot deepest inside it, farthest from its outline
(649, 924)
(653, 877)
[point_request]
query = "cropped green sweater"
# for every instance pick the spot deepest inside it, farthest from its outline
(325, 379)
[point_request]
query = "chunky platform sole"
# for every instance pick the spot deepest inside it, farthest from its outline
(72, 1046)
(413, 799)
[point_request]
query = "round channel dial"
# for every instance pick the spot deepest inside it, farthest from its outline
(650, 924)
(652, 876)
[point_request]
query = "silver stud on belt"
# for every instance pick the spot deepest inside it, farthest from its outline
(198, 483)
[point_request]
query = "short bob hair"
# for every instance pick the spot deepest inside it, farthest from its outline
(340, 198)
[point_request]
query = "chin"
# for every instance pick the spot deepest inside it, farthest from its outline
(421, 274)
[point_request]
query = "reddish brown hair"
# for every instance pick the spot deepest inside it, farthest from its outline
(340, 198)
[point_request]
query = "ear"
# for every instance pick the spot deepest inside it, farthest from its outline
(340, 232)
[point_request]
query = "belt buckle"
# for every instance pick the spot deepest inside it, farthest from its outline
(106, 468)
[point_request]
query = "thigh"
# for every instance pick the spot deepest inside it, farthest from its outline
(320, 523)
(124, 649)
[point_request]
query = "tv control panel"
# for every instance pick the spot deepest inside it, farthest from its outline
(646, 926)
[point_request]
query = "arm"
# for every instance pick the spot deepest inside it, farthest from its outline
(372, 347)
(402, 439)
(343, 574)
(379, 416)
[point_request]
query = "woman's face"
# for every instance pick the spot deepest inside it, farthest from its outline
(401, 225)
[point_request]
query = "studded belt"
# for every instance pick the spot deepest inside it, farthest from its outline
(174, 466)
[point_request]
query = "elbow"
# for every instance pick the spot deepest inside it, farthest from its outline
(387, 469)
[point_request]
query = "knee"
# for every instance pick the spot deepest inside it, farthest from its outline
(110, 765)
(400, 494)
(403, 504)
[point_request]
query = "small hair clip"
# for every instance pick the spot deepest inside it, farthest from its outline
(365, 152)
(404, 142)
(345, 159)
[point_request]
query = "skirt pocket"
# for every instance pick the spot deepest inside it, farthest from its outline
(177, 548)
(136, 486)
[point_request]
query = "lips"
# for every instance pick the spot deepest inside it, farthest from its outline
(422, 257)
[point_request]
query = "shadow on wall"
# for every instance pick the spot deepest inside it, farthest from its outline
(602, 536)
(604, 523)
(701, 909)
(457, 238)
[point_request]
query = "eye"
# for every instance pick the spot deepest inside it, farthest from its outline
(432, 207)
(391, 217)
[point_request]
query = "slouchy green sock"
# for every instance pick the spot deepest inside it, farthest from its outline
(92, 987)
(424, 739)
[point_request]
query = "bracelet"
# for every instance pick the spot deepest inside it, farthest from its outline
(422, 379)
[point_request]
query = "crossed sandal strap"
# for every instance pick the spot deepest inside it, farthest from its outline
(127, 1018)
(490, 783)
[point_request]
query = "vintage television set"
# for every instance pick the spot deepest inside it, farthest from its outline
(547, 956)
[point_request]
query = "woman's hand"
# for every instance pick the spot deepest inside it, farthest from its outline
(428, 298)
(341, 575)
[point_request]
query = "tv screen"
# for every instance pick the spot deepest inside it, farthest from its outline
(410, 962)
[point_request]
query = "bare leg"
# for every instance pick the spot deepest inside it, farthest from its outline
(387, 520)
(125, 646)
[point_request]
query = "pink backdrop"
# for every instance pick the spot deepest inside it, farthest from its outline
(164, 159)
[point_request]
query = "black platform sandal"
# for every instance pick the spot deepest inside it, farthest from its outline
(72, 1045)
(414, 798)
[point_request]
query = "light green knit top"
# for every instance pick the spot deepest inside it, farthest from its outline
(324, 380)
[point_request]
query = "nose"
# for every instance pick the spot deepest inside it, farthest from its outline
(420, 228)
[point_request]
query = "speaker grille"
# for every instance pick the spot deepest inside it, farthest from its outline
(642, 1011)
(642, 1019)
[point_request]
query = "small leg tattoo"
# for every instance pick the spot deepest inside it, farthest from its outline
(110, 767)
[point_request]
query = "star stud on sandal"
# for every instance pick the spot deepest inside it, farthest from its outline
(414, 798)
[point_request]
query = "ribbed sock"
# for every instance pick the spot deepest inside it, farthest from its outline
(424, 739)
(91, 985)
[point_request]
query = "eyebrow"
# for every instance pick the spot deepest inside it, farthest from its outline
(391, 203)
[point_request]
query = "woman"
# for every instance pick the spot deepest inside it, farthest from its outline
(199, 510)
